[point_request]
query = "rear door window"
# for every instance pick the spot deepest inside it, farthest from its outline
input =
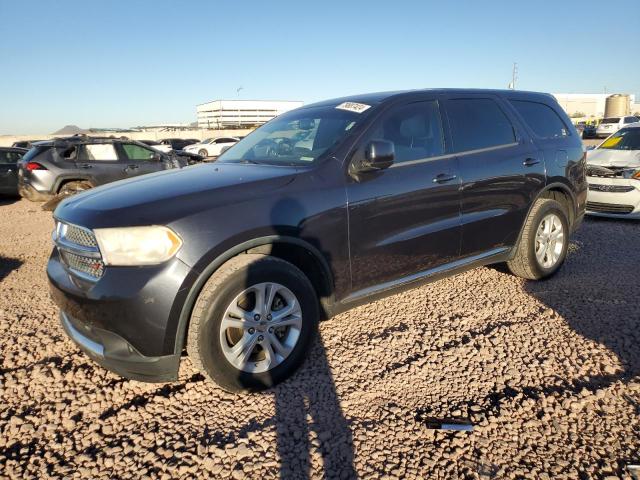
(100, 152)
(478, 123)
(542, 119)
(610, 120)
(630, 120)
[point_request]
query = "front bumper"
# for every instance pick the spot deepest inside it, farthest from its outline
(127, 320)
(614, 204)
(117, 355)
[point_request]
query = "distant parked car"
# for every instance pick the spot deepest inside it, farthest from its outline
(25, 143)
(191, 158)
(611, 125)
(613, 173)
(589, 131)
(70, 165)
(211, 147)
(178, 143)
(9, 158)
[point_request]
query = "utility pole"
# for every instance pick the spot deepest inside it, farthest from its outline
(238, 96)
(514, 76)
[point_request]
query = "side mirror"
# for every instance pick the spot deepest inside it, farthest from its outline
(156, 157)
(378, 155)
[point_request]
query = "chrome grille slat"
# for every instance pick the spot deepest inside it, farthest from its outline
(598, 207)
(79, 251)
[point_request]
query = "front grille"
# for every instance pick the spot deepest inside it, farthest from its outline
(598, 207)
(609, 172)
(79, 250)
(610, 188)
(89, 266)
(79, 236)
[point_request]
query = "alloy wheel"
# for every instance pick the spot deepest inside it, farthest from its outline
(261, 327)
(550, 240)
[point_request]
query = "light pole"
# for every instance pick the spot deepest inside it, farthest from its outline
(238, 96)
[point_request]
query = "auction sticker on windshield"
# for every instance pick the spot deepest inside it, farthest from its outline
(353, 107)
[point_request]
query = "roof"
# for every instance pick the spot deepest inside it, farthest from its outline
(379, 97)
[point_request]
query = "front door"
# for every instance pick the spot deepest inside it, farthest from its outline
(405, 219)
(139, 160)
(501, 171)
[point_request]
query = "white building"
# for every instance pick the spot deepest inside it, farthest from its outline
(240, 113)
(589, 104)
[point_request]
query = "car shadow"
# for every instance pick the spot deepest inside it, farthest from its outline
(308, 418)
(9, 199)
(597, 292)
(7, 265)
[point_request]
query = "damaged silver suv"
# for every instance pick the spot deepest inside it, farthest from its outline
(65, 166)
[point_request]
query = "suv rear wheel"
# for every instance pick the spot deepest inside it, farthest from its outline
(545, 239)
(252, 323)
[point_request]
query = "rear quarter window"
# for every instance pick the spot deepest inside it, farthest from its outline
(478, 123)
(541, 118)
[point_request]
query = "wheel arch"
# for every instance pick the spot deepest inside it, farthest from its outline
(559, 192)
(62, 180)
(291, 249)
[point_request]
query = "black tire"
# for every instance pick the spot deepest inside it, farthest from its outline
(525, 263)
(203, 153)
(231, 279)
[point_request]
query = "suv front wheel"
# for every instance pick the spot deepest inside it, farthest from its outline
(544, 242)
(252, 323)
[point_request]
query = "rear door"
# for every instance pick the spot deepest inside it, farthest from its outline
(501, 171)
(9, 171)
(139, 160)
(405, 219)
(100, 163)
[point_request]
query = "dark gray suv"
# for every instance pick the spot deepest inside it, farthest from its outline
(325, 207)
(70, 165)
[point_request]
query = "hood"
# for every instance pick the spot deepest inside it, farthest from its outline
(159, 198)
(604, 157)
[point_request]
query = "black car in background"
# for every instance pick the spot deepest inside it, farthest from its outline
(25, 143)
(321, 209)
(9, 158)
(178, 143)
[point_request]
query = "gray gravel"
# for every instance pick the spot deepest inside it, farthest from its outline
(548, 373)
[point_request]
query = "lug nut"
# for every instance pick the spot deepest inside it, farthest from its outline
(270, 329)
(269, 317)
(252, 331)
(260, 338)
(256, 317)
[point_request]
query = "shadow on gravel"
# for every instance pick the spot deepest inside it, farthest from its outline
(597, 293)
(8, 265)
(8, 200)
(309, 402)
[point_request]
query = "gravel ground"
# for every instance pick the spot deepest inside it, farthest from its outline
(547, 372)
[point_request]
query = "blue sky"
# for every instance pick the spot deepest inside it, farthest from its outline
(125, 63)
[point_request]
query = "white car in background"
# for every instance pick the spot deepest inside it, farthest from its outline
(613, 174)
(211, 147)
(610, 125)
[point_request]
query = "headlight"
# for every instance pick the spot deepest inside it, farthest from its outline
(137, 245)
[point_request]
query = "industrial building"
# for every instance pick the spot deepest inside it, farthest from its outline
(597, 105)
(240, 113)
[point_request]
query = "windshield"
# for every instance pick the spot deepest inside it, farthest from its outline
(298, 137)
(625, 139)
(610, 120)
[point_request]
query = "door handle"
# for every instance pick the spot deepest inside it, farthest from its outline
(86, 165)
(131, 167)
(530, 162)
(443, 177)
